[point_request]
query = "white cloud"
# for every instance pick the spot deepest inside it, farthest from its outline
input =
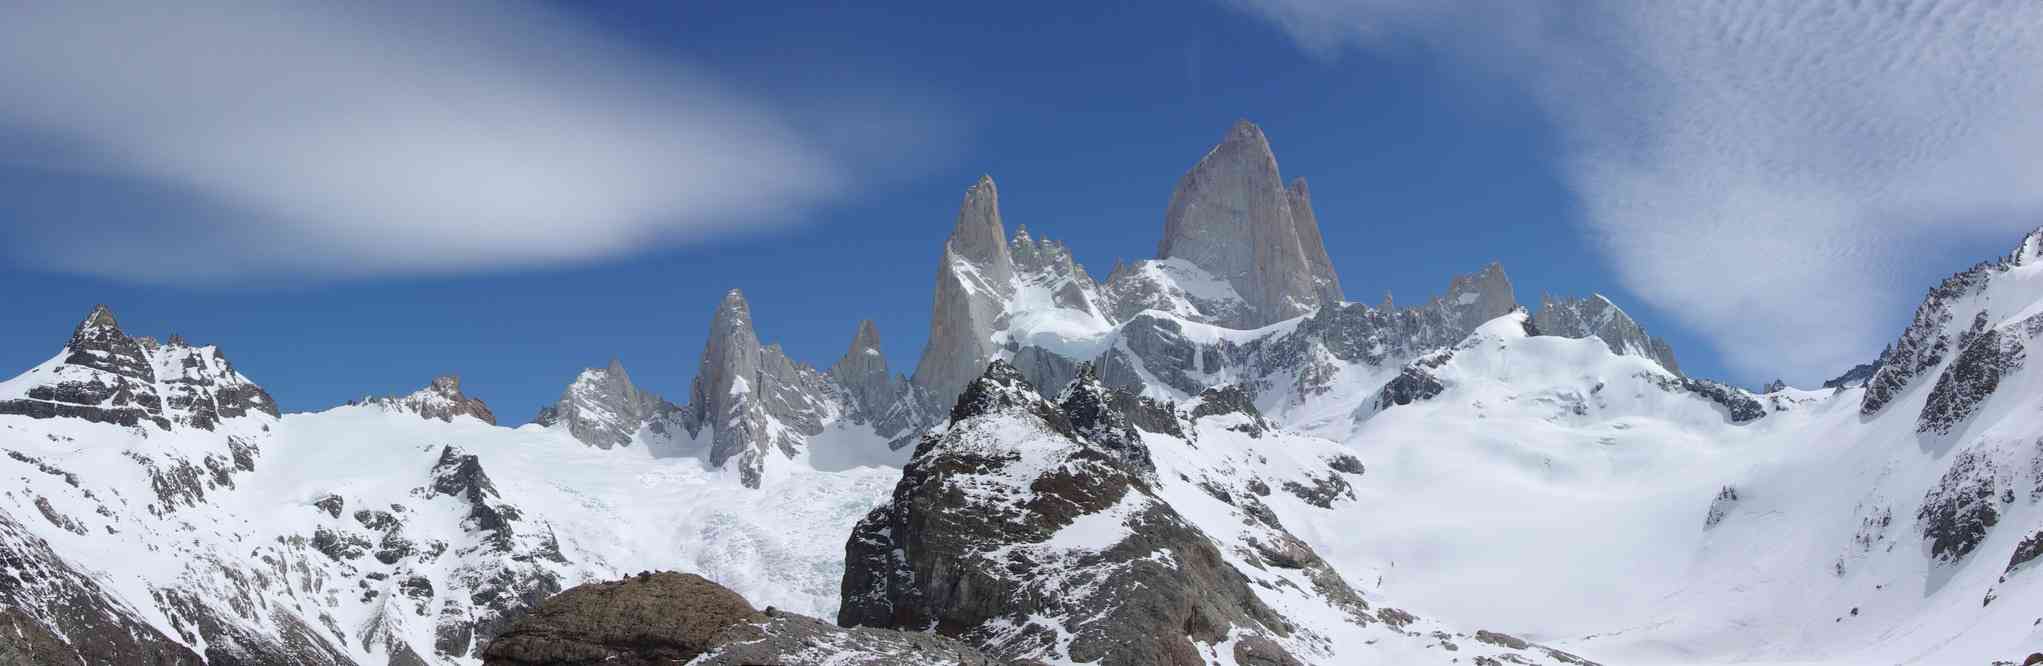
(369, 138)
(1759, 167)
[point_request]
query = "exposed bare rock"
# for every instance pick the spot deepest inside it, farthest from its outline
(754, 400)
(671, 618)
(1232, 216)
(1595, 316)
(441, 400)
(102, 375)
(974, 279)
(603, 409)
(663, 618)
(52, 613)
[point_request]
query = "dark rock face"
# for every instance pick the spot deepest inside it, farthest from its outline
(1096, 415)
(1739, 407)
(1415, 383)
(965, 546)
(2025, 552)
(1986, 356)
(459, 474)
(201, 387)
(57, 614)
(1857, 376)
(1231, 399)
(104, 376)
(662, 618)
(1928, 342)
(1726, 500)
(509, 567)
(1964, 505)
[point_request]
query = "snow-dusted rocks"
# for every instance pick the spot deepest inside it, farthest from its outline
(1233, 217)
(1939, 328)
(753, 401)
(1595, 316)
(1020, 527)
(603, 409)
(1985, 356)
(441, 400)
(57, 614)
(1965, 504)
(1019, 537)
(102, 375)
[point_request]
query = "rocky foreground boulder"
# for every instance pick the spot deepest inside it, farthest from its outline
(672, 618)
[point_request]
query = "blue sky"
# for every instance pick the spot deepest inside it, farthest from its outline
(817, 154)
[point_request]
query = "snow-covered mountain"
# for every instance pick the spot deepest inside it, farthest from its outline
(1208, 457)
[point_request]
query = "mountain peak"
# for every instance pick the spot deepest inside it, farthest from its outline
(1233, 216)
(1599, 317)
(979, 236)
(1004, 387)
(449, 385)
(974, 279)
(2029, 250)
(441, 400)
(1478, 297)
(1245, 131)
(97, 329)
(101, 316)
(867, 340)
(602, 408)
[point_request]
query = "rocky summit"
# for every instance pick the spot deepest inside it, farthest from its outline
(1208, 457)
(1233, 217)
(441, 400)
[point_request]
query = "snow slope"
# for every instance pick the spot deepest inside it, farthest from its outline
(1568, 494)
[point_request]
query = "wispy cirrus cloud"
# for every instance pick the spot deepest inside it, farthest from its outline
(375, 138)
(1758, 167)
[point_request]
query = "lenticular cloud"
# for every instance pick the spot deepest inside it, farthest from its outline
(377, 138)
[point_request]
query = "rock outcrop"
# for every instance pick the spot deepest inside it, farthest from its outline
(974, 279)
(1931, 337)
(56, 614)
(603, 409)
(1985, 355)
(102, 375)
(672, 618)
(753, 400)
(978, 542)
(1233, 216)
(441, 400)
(1595, 316)
(889, 403)
(665, 618)
(1155, 351)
